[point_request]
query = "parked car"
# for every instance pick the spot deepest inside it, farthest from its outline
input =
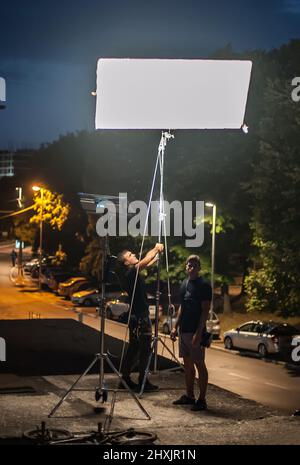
(30, 265)
(86, 298)
(262, 337)
(118, 308)
(90, 298)
(65, 287)
(152, 308)
(212, 325)
(55, 278)
(80, 286)
(33, 264)
(47, 273)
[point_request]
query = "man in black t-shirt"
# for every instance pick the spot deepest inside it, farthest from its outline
(140, 328)
(196, 297)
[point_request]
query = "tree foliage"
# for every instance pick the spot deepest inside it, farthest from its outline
(274, 284)
(24, 230)
(50, 208)
(91, 262)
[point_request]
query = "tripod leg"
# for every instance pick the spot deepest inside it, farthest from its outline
(170, 352)
(127, 387)
(73, 385)
(147, 368)
(109, 418)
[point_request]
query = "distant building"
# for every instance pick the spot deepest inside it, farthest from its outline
(6, 164)
(2, 93)
(14, 163)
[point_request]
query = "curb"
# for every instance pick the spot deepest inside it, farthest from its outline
(289, 365)
(222, 349)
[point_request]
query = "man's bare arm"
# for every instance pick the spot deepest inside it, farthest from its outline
(178, 318)
(149, 257)
(173, 334)
(153, 261)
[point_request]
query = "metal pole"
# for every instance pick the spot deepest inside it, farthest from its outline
(20, 278)
(213, 259)
(162, 146)
(41, 238)
(103, 311)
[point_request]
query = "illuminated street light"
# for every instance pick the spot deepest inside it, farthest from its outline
(20, 281)
(41, 189)
(214, 207)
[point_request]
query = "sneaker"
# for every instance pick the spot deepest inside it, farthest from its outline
(131, 384)
(149, 387)
(200, 404)
(184, 400)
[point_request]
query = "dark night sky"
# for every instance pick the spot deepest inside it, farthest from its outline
(49, 50)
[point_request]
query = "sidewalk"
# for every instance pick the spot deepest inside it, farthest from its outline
(229, 420)
(43, 364)
(43, 356)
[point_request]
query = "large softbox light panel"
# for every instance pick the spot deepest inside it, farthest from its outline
(171, 94)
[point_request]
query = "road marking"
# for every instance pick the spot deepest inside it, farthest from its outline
(278, 386)
(239, 376)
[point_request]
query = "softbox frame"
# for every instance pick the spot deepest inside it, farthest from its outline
(171, 93)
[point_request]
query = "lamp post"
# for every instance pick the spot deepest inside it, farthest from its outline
(20, 281)
(37, 189)
(213, 244)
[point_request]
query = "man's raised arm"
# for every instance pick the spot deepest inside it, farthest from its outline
(150, 257)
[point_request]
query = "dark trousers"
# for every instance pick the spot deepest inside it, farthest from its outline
(139, 348)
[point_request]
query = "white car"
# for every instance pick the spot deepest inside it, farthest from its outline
(264, 337)
(118, 308)
(152, 308)
(212, 325)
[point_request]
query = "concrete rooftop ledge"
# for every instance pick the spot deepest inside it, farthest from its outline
(230, 419)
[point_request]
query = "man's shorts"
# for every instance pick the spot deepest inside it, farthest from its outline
(186, 349)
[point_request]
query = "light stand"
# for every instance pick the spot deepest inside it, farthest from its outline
(162, 230)
(213, 254)
(193, 103)
(101, 392)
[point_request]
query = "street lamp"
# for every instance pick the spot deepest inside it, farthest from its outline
(213, 243)
(41, 189)
(20, 281)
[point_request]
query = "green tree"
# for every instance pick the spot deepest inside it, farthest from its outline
(53, 211)
(91, 262)
(60, 257)
(24, 230)
(274, 282)
(50, 208)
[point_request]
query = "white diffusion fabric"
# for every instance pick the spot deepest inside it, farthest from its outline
(171, 94)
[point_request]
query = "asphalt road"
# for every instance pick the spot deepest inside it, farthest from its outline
(267, 382)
